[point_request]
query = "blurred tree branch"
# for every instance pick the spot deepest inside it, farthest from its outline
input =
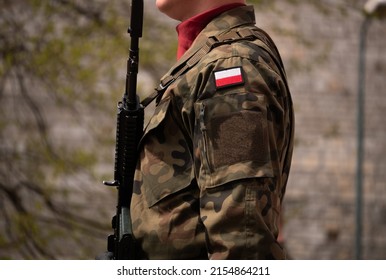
(48, 69)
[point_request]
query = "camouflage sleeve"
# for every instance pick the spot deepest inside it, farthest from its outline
(241, 220)
(239, 143)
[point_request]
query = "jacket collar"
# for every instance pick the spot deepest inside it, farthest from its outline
(230, 19)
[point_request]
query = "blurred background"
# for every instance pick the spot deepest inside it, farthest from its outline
(62, 71)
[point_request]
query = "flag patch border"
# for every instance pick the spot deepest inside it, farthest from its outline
(228, 77)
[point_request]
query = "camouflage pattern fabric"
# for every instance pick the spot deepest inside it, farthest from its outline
(215, 157)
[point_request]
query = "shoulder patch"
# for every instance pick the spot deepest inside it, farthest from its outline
(228, 77)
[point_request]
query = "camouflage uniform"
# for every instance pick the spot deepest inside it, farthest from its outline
(214, 159)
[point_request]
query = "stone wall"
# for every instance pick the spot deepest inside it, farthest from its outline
(320, 50)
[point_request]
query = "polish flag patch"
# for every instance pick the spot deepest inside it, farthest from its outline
(228, 77)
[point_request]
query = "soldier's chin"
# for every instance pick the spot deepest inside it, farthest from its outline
(174, 9)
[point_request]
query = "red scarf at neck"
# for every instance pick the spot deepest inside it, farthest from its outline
(189, 29)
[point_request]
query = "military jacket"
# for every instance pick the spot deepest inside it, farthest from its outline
(215, 156)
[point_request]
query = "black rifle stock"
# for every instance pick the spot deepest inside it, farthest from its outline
(130, 116)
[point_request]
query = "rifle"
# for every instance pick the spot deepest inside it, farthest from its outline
(130, 116)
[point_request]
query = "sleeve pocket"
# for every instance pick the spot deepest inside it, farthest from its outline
(232, 137)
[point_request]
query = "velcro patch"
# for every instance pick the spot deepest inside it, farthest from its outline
(228, 77)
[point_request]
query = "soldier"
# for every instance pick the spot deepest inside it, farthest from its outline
(215, 156)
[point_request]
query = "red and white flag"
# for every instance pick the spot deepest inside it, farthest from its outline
(228, 77)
